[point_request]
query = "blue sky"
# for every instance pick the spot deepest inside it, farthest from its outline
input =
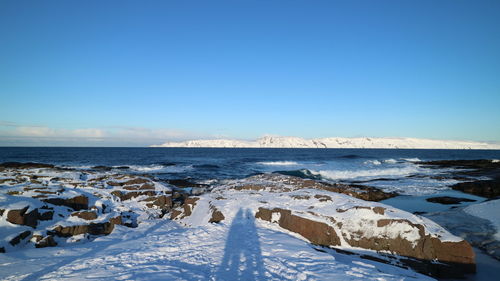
(144, 72)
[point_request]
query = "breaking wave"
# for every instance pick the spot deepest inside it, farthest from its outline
(159, 168)
(371, 173)
(278, 163)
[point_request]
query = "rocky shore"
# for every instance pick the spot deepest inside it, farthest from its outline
(46, 206)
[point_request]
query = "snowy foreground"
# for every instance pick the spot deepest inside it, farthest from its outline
(130, 227)
(296, 142)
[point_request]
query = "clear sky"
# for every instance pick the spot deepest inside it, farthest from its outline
(145, 72)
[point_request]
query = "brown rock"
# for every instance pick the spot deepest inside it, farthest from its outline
(318, 233)
(17, 216)
(116, 220)
(22, 218)
(323, 198)
(86, 215)
(132, 194)
(16, 240)
(80, 202)
(483, 188)
(162, 201)
(217, 216)
(93, 228)
(47, 241)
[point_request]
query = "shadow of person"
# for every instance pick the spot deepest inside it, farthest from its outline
(242, 255)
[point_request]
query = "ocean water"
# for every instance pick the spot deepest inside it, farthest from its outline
(388, 169)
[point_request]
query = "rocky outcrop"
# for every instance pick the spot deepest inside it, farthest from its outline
(318, 233)
(483, 188)
(287, 183)
(132, 194)
(455, 258)
(93, 228)
(80, 202)
(161, 201)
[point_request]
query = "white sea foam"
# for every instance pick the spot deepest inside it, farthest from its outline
(495, 160)
(372, 162)
(411, 159)
(390, 161)
(369, 173)
(159, 168)
(278, 163)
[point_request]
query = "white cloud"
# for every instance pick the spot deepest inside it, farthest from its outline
(15, 134)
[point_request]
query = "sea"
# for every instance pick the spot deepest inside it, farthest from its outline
(392, 170)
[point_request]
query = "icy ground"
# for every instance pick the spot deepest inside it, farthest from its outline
(162, 249)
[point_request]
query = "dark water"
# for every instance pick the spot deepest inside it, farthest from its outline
(222, 163)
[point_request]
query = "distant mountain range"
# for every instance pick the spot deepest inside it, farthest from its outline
(334, 142)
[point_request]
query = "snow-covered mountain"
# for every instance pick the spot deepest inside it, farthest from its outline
(334, 142)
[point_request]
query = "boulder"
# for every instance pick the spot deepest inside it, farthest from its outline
(16, 240)
(47, 241)
(2, 250)
(86, 215)
(217, 216)
(80, 202)
(22, 218)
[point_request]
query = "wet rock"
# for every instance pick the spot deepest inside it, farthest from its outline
(483, 188)
(86, 215)
(16, 240)
(2, 250)
(80, 202)
(447, 200)
(1, 212)
(318, 233)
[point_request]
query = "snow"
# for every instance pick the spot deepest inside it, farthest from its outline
(336, 142)
(488, 210)
(163, 250)
(238, 248)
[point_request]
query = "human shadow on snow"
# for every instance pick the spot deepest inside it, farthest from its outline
(242, 254)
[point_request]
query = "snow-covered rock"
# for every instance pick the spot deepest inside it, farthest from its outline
(332, 219)
(335, 142)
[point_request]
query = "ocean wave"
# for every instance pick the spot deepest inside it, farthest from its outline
(372, 162)
(278, 163)
(411, 159)
(302, 173)
(390, 161)
(159, 168)
(371, 173)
